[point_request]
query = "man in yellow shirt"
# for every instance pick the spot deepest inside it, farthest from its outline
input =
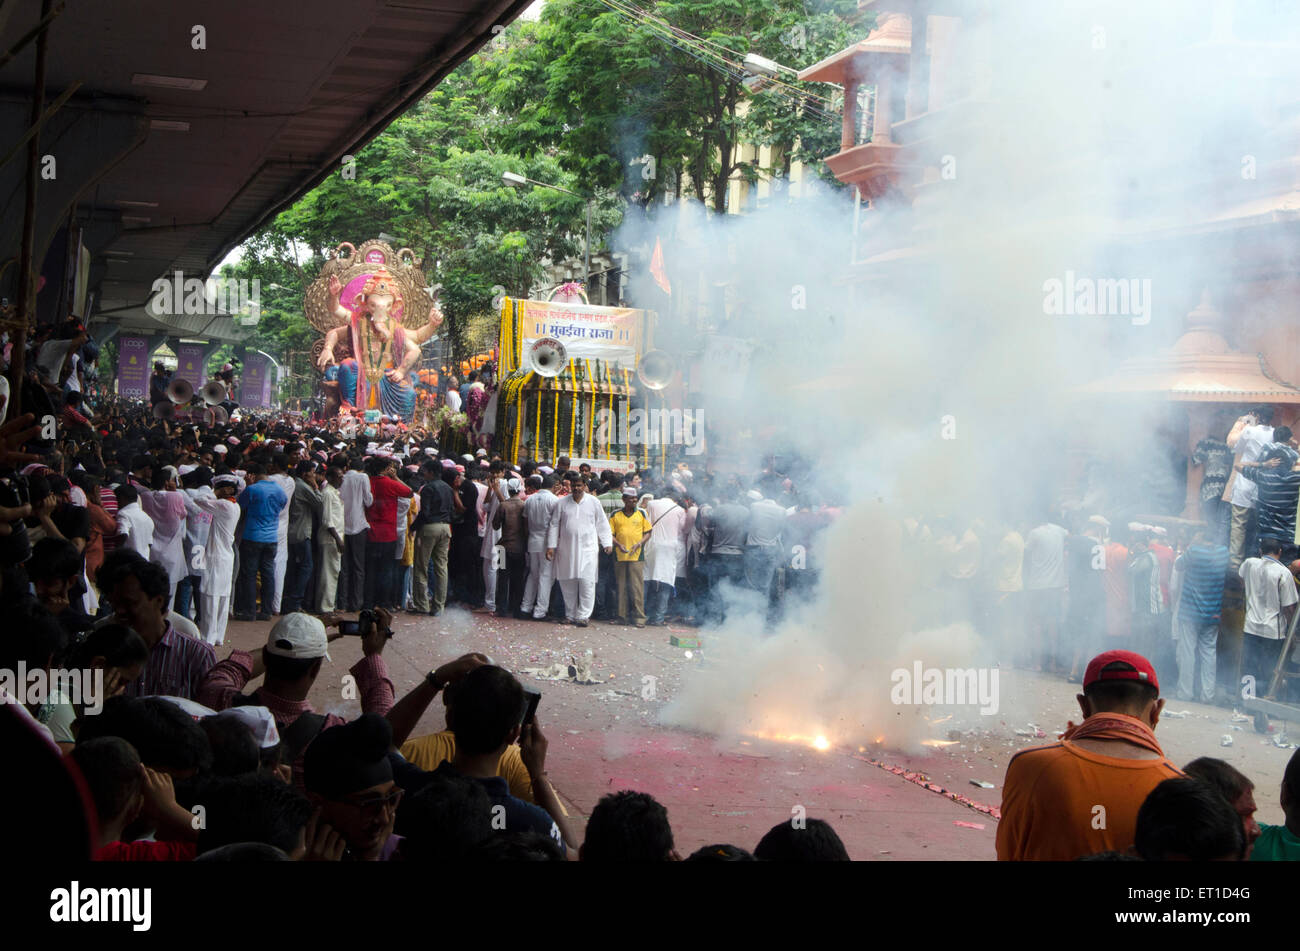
(431, 751)
(631, 528)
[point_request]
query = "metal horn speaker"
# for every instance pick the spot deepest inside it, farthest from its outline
(180, 391)
(656, 369)
(214, 392)
(164, 410)
(548, 357)
(216, 416)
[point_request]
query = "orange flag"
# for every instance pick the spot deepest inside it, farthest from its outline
(657, 268)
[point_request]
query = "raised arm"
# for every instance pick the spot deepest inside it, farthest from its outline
(1238, 427)
(341, 312)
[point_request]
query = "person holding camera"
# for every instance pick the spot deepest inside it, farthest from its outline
(290, 662)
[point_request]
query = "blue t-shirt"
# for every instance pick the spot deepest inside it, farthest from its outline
(1204, 568)
(262, 503)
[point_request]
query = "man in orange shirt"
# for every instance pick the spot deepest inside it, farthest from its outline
(1081, 795)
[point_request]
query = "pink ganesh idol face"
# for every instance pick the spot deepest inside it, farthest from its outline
(381, 305)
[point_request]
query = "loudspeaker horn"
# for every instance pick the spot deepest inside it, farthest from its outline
(214, 392)
(164, 410)
(548, 357)
(180, 391)
(656, 369)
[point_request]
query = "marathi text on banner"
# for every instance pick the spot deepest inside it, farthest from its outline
(588, 332)
(133, 367)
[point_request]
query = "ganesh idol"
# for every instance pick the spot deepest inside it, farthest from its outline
(368, 356)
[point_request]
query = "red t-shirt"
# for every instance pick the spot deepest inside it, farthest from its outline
(1165, 558)
(382, 515)
(146, 852)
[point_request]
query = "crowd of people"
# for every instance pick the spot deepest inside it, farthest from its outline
(1050, 594)
(127, 543)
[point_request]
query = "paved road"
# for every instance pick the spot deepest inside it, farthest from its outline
(605, 737)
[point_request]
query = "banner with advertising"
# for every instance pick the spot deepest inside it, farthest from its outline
(623, 466)
(255, 382)
(189, 364)
(587, 332)
(133, 367)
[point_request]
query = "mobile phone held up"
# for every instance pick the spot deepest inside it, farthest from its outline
(362, 626)
(531, 699)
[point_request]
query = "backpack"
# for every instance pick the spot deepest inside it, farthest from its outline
(295, 738)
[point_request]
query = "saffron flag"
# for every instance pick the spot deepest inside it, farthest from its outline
(657, 268)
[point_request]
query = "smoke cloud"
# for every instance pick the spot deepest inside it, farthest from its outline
(1073, 210)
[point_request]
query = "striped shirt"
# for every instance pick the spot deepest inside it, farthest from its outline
(228, 678)
(109, 503)
(1275, 504)
(176, 666)
(1204, 568)
(611, 502)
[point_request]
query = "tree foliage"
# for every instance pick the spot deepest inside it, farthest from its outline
(572, 100)
(604, 90)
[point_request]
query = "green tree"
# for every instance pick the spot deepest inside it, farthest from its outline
(606, 84)
(433, 179)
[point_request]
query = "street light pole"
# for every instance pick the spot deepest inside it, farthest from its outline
(515, 180)
(586, 262)
(279, 370)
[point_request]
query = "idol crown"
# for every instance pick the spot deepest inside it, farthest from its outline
(380, 282)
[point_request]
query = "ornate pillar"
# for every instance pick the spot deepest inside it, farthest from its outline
(883, 119)
(849, 133)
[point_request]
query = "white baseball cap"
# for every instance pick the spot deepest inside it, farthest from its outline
(259, 721)
(300, 636)
(195, 709)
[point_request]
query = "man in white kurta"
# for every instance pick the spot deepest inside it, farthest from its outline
(667, 545)
(166, 509)
(538, 509)
(285, 482)
(218, 558)
(579, 531)
(197, 524)
(491, 538)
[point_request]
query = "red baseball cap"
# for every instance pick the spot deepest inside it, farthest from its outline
(1123, 665)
